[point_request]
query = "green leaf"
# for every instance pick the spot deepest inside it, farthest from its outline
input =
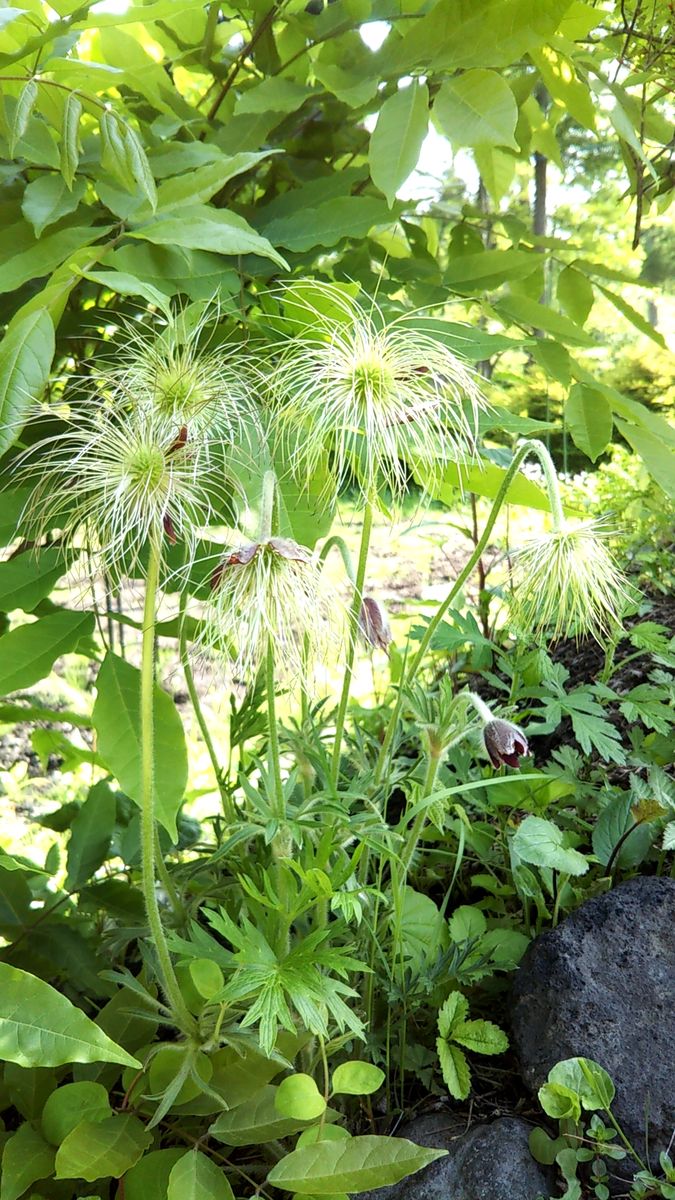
(328, 223)
(125, 284)
(486, 480)
(26, 579)
(614, 821)
(149, 1179)
(631, 314)
(207, 977)
(196, 187)
(356, 1079)
(454, 1068)
(70, 1104)
(455, 1009)
(196, 1177)
(575, 294)
(28, 653)
(41, 1028)
(477, 108)
(277, 95)
(27, 258)
(202, 228)
(528, 312)
(139, 166)
(255, 1122)
(49, 198)
(561, 1103)
(298, 1097)
(588, 417)
(24, 107)
(123, 156)
(396, 141)
(98, 1149)
(489, 268)
(657, 455)
(587, 1079)
(497, 169)
(467, 922)
(26, 1158)
(26, 353)
(481, 1036)
(541, 843)
(560, 78)
(91, 835)
(350, 1165)
(70, 134)
(116, 718)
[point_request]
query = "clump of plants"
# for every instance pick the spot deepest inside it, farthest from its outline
(231, 997)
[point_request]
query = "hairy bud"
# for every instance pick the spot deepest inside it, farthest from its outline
(504, 742)
(374, 624)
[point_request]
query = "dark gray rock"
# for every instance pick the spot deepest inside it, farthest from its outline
(490, 1162)
(602, 985)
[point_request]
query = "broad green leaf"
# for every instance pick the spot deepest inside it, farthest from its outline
(149, 1179)
(322, 1133)
(574, 291)
(455, 1009)
(70, 138)
(28, 1088)
(356, 1079)
(587, 1079)
(97, 1149)
(563, 84)
(454, 1069)
(239, 1077)
(328, 223)
(483, 1037)
(470, 272)
(91, 835)
(420, 927)
(554, 359)
(49, 198)
(28, 653)
(560, 1102)
(497, 169)
(198, 186)
(196, 1177)
(139, 165)
(477, 108)
(26, 257)
(272, 95)
(396, 141)
(467, 922)
(351, 1165)
(298, 1097)
(631, 314)
(485, 480)
(207, 977)
(41, 1028)
(116, 718)
(26, 353)
(123, 155)
(125, 284)
(26, 1158)
(541, 843)
(657, 455)
(255, 1122)
(202, 228)
(15, 902)
(158, 11)
(70, 1104)
(588, 417)
(612, 825)
(24, 107)
(524, 311)
(26, 579)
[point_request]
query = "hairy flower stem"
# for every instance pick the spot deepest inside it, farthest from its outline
(353, 634)
(227, 802)
(273, 734)
(341, 545)
(408, 851)
(280, 842)
(529, 447)
(167, 974)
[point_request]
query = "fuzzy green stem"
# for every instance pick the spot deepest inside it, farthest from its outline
(267, 499)
(480, 706)
(354, 615)
(229, 809)
(273, 735)
(433, 763)
(148, 862)
(166, 881)
(345, 553)
(529, 447)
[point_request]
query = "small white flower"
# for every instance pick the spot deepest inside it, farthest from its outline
(375, 395)
(567, 584)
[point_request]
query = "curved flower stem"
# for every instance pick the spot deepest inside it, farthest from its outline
(167, 974)
(225, 797)
(553, 489)
(345, 554)
(354, 614)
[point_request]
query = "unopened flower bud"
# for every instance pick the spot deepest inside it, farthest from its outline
(504, 742)
(374, 624)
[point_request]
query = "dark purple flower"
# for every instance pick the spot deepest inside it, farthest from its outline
(374, 624)
(504, 742)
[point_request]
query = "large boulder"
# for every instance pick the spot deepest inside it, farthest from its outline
(602, 985)
(490, 1162)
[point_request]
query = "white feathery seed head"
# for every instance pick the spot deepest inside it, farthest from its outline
(373, 394)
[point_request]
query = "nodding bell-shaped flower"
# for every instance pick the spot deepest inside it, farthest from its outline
(374, 624)
(374, 394)
(269, 594)
(504, 742)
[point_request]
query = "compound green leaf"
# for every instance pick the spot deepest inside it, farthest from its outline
(98, 1149)
(117, 718)
(196, 1177)
(28, 653)
(477, 108)
(454, 1068)
(41, 1028)
(350, 1165)
(26, 353)
(48, 198)
(483, 1037)
(397, 138)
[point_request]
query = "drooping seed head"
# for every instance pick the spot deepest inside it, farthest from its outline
(379, 397)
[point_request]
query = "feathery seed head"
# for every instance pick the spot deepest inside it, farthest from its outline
(373, 394)
(567, 584)
(270, 593)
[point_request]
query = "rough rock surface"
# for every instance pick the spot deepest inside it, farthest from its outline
(602, 985)
(490, 1162)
